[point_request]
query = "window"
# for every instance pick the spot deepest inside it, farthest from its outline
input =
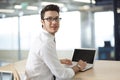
(104, 27)
(8, 33)
(68, 36)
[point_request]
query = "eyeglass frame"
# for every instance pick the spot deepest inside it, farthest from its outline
(50, 19)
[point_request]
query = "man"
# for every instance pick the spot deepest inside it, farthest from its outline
(42, 62)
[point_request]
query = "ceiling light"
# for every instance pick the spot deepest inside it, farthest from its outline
(118, 10)
(85, 1)
(32, 8)
(64, 9)
(18, 7)
(28, 7)
(85, 7)
(7, 10)
(47, 3)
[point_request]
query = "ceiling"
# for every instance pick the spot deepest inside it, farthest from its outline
(10, 8)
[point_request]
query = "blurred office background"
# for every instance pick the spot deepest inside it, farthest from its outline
(84, 24)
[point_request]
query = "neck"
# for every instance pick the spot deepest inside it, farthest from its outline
(49, 32)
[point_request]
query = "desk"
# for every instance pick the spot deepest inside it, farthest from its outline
(102, 70)
(17, 69)
(10, 68)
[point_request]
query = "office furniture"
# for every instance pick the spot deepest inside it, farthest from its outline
(106, 52)
(103, 70)
(6, 75)
(18, 69)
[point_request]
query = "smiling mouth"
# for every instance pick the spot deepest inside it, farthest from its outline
(54, 27)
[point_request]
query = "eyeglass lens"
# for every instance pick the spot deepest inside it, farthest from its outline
(52, 19)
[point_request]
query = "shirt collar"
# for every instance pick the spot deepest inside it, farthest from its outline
(48, 34)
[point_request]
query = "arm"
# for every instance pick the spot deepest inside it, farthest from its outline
(53, 63)
(66, 61)
(80, 65)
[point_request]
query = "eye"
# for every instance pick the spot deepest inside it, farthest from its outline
(56, 18)
(50, 18)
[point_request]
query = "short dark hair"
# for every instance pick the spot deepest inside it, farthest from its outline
(50, 7)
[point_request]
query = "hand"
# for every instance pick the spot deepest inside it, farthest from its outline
(81, 64)
(66, 61)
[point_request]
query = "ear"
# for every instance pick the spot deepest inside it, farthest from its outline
(42, 21)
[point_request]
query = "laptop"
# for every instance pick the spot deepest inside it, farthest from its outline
(84, 54)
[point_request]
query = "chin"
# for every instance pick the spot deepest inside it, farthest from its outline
(53, 32)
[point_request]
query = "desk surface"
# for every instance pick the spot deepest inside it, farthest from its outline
(102, 70)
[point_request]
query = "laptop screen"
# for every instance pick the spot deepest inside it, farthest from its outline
(84, 54)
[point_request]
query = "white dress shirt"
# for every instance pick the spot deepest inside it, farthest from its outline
(43, 62)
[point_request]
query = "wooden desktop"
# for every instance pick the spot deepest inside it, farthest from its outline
(102, 70)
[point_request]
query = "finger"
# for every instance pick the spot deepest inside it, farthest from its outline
(69, 62)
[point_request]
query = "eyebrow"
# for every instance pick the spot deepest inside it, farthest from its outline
(52, 17)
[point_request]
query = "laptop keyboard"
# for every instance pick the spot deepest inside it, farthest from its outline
(88, 66)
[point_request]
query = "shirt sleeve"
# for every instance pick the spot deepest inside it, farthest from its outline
(50, 58)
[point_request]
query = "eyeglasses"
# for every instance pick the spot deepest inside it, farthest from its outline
(50, 19)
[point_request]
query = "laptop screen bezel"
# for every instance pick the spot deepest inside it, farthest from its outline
(89, 55)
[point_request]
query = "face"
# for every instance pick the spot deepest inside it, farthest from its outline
(51, 22)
